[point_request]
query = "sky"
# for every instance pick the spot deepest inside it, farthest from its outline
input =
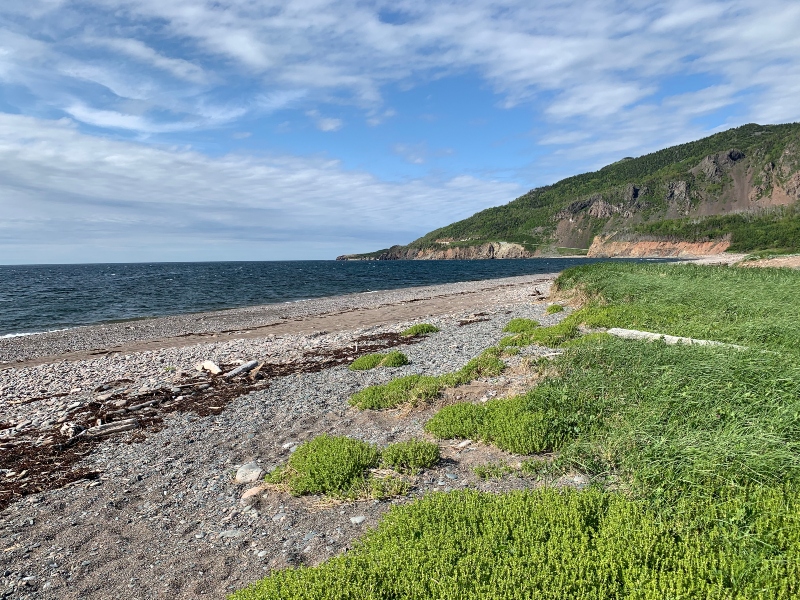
(194, 130)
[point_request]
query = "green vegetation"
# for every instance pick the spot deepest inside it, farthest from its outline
(394, 358)
(777, 231)
(413, 389)
(697, 447)
(529, 220)
(419, 329)
(492, 471)
(330, 465)
(411, 456)
(554, 308)
(339, 467)
(521, 325)
(750, 307)
(563, 546)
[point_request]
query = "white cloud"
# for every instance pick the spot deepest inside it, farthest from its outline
(182, 69)
(60, 189)
(325, 123)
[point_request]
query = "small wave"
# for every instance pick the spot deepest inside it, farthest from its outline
(13, 335)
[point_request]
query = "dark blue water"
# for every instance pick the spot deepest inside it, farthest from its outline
(46, 297)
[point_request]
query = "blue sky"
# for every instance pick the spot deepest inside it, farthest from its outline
(142, 130)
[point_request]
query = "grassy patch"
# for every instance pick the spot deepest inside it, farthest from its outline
(492, 471)
(331, 465)
(394, 358)
(411, 456)
(554, 308)
(521, 326)
(751, 307)
(339, 467)
(419, 329)
(563, 546)
(414, 389)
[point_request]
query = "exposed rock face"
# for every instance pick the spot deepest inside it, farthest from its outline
(483, 251)
(606, 246)
(678, 196)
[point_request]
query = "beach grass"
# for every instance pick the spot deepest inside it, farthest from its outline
(395, 358)
(693, 453)
(419, 329)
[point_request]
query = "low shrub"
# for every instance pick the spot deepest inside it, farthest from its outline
(492, 471)
(411, 456)
(395, 358)
(419, 329)
(332, 465)
(563, 545)
(366, 362)
(422, 388)
(521, 326)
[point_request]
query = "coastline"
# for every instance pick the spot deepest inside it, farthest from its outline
(163, 493)
(332, 313)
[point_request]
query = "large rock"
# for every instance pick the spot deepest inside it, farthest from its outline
(249, 473)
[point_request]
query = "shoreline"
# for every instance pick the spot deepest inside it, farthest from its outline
(329, 313)
(163, 493)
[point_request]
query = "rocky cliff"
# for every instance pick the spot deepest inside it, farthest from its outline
(608, 246)
(752, 169)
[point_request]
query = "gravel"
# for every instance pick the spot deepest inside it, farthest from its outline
(165, 515)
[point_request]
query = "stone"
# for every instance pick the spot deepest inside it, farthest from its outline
(210, 366)
(230, 533)
(70, 430)
(358, 520)
(464, 444)
(451, 475)
(262, 554)
(250, 495)
(279, 517)
(248, 473)
(104, 397)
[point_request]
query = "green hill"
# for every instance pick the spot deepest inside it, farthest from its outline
(753, 169)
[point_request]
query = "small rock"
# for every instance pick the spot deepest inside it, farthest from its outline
(451, 475)
(249, 473)
(358, 520)
(464, 444)
(262, 554)
(250, 496)
(104, 397)
(208, 365)
(279, 517)
(230, 533)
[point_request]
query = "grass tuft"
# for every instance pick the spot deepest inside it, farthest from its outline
(414, 389)
(395, 358)
(553, 309)
(411, 456)
(419, 329)
(521, 326)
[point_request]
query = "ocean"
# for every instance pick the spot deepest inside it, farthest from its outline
(35, 298)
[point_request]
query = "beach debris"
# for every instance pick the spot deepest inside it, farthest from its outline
(248, 473)
(210, 366)
(113, 427)
(70, 430)
(245, 368)
(635, 334)
(464, 444)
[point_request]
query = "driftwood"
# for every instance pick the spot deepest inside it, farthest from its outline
(113, 427)
(248, 366)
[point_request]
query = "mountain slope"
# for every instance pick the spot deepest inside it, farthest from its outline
(749, 169)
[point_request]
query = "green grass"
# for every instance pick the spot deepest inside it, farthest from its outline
(410, 456)
(419, 329)
(521, 326)
(555, 545)
(414, 389)
(554, 308)
(329, 465)
(339, 467)
(492, 471)
(394, 358)
(750, 307)
(698, 449)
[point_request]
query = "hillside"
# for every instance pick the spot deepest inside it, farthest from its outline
(750, 170)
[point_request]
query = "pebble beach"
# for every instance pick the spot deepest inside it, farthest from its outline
(129, 472)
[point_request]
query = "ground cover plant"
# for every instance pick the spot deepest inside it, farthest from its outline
(413, 389)
(419, 329)
(410, 456)
(339, 467)
(751, 307)
(694, 454)
(554, 308)
(394, 358)
(562, 545)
